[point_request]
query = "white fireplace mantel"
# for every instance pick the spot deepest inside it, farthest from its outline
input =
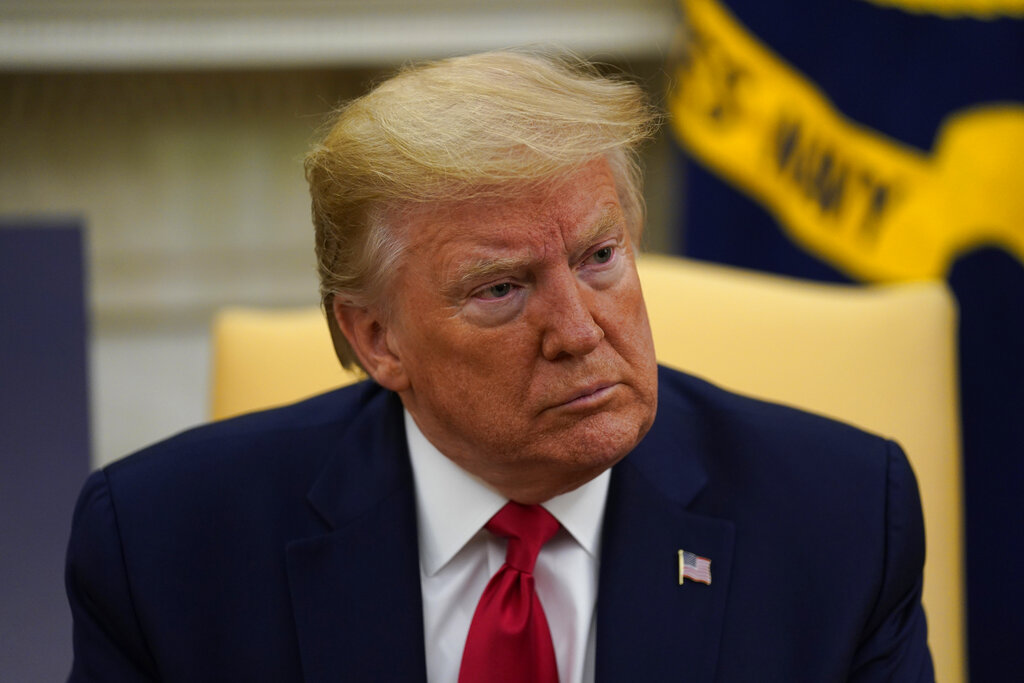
(183, 34)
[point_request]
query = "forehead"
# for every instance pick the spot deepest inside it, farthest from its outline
(551, 218)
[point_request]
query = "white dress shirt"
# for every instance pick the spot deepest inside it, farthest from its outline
(458, 557)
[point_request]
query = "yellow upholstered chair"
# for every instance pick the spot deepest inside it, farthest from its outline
(882, 358)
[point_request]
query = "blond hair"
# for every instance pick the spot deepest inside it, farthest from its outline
(458, 129)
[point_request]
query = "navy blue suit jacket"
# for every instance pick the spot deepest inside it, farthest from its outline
(281, 546)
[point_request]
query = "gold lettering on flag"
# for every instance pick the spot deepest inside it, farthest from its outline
(875, 208)
(980, 9)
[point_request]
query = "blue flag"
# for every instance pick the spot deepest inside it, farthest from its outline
(879, 141)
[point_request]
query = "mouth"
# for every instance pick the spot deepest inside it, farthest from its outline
(589, 397)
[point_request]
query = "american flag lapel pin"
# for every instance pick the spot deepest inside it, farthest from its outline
(694, 567)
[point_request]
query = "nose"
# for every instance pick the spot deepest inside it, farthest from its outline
(570, 329)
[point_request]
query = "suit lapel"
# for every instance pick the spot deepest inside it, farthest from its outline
(648, 626)
(356, 589)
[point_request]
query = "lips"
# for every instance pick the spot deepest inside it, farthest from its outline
(588, 396)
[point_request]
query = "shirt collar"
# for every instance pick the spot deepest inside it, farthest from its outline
(452, 505)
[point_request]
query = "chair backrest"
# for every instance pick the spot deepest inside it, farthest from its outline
(270, 357)
(882, 358)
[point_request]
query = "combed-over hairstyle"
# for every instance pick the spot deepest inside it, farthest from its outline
(484, 125)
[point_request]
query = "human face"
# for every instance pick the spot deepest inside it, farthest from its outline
(520, 335)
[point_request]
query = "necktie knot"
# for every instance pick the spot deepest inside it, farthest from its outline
(527, 528)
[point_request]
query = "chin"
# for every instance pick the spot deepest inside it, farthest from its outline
(601, 440)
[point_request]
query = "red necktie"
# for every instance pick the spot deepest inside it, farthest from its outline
(509, 640)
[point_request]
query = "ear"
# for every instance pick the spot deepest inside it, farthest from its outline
(367, 332)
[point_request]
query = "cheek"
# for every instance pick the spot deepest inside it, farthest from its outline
(471, 362)
(628, 319)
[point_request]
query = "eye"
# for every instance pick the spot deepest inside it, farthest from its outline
(603, 255)
(498, 291)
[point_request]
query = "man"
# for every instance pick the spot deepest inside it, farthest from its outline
(476, 228)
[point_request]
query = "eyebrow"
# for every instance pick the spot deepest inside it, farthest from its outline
(485, 268)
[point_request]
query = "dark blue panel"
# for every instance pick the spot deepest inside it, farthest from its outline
(989, 287)
(44, 440)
